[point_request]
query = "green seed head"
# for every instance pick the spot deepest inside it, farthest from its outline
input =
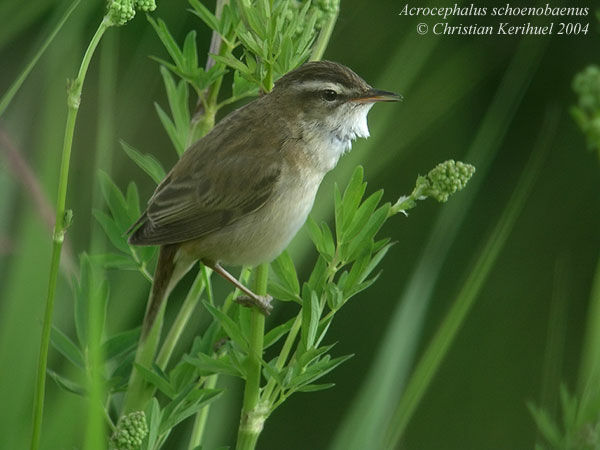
(445, 179)
(145, 5)
(131, 431)
(120, 11)
(587, 86)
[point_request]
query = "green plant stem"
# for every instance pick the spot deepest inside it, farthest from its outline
(138, 391)
(14, 88)
(62, 221)
(324, 36)
(187, 308)
(253, 414)
(201, 417)
(589, 372)
(204, 119)
(282, 358)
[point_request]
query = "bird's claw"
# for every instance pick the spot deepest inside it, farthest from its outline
(262, 302)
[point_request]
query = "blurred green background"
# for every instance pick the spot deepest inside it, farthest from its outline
(465, 97)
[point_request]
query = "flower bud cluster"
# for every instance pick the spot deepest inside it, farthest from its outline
(131, 431)
(445, 179)
(122, 11)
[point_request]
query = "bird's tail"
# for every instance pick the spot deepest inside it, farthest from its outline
(168, 272)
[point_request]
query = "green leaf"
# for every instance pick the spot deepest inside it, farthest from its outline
(178, 97)
(114, 261)
(190, 52)
(281, 293)
(121, 343)
(273, 335)
(253, 43)
(362, 215)
(209, 365)
(231, 328)
(311, 313)
(328, 244)
(375, 260)
(546, 426)
(66, 384)
(318, 276)
(315, 387)
(318, 370)
(187, 403)
(241, 86)
(315, 233)
(232, 62)
(154, 415)
(168, 41)
(67, 347)
(146, 162)
(310, 355)
(339, 212)
(112, 230)
(351, 199)
(358, 267)
(375, 222)
(132, 197)
(116, 201)
(334, 296)
(284, 268)
(322, 329)
(255, 20)
(157, 379)
(321, 237)
(205, 15)
(360, 287)
(170, 128)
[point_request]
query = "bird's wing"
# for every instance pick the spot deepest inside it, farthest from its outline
(203, 193)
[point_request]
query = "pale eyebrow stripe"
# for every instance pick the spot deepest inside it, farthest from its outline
(314, 85)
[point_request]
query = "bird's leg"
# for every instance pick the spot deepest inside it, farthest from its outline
(262, 302)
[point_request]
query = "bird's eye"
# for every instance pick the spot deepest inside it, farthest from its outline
(329, 95)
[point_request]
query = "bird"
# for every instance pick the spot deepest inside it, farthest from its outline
(239, 194)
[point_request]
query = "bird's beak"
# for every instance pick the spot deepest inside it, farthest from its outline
(376, 95)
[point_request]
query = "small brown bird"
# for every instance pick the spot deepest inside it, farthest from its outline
(239, 195)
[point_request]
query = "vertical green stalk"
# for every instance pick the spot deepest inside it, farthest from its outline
(95, 435)
(7, 97)
(283, 355)
(138, 391)
(201, 417)
(589, 372)
(63, 219)
(253, 413)
(324, 35)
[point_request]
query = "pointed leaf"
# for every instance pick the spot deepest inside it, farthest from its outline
(157, 380)
(208, 365)
(67, 347)
(311, 313)
(285, 270)
(147, 163)
(120, 343)
(229, 326)
(274, 334)
(315, 387)
(66, 384)
(205, 14)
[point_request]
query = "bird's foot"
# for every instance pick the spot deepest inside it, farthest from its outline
(262, 302)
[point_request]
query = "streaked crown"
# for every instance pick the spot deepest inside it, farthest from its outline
(335, 81)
